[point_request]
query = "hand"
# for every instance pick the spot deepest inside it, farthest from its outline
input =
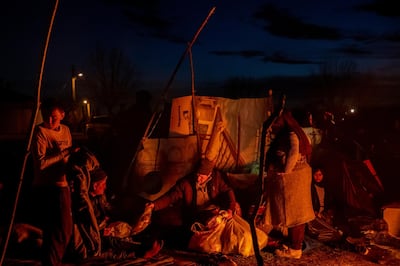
(238, 209)
(67, 153)
(220, 127)
(229, 214)
(226, 214)
(75, 149)
(149, 205)
(107, 231)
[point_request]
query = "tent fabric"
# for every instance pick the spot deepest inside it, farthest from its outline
(176, 156)
(238, 145)
(359, 187)
(171, 158)
(163, 161)
(354, 187)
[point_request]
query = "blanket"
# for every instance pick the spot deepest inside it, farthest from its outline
(288, 198)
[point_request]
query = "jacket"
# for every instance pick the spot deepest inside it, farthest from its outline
(219, 192)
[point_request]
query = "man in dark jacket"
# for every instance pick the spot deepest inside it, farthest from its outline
(201, 195)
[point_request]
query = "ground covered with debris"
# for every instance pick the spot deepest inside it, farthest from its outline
(385, 251)
(375, 248)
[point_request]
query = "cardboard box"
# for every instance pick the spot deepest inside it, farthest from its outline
(391, 214)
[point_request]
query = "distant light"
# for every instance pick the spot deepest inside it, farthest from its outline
(85, 101)
(352, 110)
(80, 75)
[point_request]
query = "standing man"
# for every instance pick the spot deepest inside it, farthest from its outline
(51, 148)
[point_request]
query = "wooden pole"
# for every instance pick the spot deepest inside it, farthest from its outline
(33, 123)
(260, 184)
(151, 123)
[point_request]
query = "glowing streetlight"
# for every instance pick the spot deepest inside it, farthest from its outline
(73, 85)
(86, 104)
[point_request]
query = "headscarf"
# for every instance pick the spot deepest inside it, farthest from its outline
(287, 121)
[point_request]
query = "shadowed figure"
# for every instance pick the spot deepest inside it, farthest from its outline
(130, 126)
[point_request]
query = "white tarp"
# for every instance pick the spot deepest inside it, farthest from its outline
(242, 118)
(236, 147)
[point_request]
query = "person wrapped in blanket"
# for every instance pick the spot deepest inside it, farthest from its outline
(288, 182)
(98, 233)
(205, 196)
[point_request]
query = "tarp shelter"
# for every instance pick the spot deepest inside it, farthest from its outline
(192, 135)
(355, 186)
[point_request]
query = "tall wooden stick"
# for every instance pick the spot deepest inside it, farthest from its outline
(152, 119)
(33, 123)
(260, 180)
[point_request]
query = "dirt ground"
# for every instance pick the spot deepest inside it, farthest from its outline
(315, 253)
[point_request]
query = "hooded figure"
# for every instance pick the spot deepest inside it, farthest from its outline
(83, 169)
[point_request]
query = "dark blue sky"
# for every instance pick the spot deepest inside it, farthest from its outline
(252, 38)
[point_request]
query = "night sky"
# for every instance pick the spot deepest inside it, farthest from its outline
(251, 39)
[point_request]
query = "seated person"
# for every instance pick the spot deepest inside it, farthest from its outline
(321, 198)
(200, 195)
(97, 231)
(113, 231)
(322, 226)
(203, 195)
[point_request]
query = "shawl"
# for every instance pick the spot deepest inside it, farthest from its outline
(292, 204)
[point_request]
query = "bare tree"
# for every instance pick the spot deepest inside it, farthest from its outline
(337, 79)
(338, 70)
(113, 79)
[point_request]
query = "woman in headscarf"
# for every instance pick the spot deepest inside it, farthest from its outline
(289, 205)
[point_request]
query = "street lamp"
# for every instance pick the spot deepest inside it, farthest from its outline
(73, 85)
(86, 104)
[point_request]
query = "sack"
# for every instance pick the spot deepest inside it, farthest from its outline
(237, 239)
(207, 238)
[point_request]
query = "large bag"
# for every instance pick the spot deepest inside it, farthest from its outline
(207, 238)
(237, 239)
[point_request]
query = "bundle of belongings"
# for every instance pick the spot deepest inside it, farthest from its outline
(226, 236)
